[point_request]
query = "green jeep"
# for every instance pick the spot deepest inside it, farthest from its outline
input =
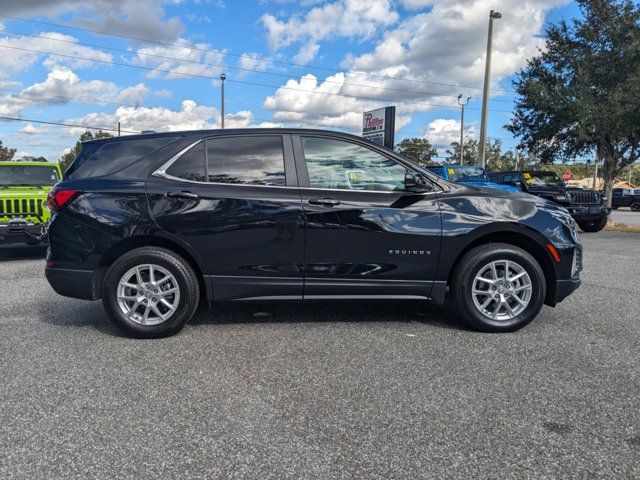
(24, 187)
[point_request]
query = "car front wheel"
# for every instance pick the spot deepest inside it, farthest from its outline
(635, 207)
(498, 288)
(150, 292)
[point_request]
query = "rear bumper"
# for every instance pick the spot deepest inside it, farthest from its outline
(20, 233)
(73, 283)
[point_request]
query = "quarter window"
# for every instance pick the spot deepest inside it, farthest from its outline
(338, 164)
(246, 160)
(190, 166)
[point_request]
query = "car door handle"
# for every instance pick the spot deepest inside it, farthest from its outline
(182, 194)
(327, 202)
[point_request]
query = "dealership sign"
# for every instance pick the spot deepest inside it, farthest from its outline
(379, 126)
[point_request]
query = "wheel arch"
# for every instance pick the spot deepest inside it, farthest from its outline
(521, 238)
(118, 249)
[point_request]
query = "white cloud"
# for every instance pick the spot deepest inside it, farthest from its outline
(356, 19)
(436, 50)
(62, 86)
(183, 58)
(441, 132)
(138, 18)
(447, 44)
(310, 103)
(22, 53)
(190, 117)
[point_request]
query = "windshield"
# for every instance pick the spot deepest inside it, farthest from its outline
(542, 179)
(28, 175)
(467, 174)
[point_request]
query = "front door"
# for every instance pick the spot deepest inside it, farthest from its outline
(365, 234)
(235, 202)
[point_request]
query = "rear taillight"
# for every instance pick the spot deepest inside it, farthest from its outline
(58, 198)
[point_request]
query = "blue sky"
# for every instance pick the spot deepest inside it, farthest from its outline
(290, 63)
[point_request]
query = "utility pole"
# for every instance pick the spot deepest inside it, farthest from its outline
(118, 128)
(223, 77)
(462, 104)
(485, 94)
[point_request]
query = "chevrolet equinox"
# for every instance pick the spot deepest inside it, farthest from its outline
(153, 224)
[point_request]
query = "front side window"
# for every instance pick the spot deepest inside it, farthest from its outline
(338, 164)
(255, 160)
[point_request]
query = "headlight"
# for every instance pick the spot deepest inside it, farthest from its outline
(560, 214)
(603, 198)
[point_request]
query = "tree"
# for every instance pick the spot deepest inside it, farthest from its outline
(68, 158)
(581, 94)
(469, 155)
(419, 150)
(6, 153)
(31, 158)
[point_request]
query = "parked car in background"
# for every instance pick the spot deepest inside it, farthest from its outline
(587, 207)
(626, 197)
(149, 222)
(24, 186)
(469, 175)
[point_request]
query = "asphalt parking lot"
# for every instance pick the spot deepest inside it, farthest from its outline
(338, 390)
(625, 215)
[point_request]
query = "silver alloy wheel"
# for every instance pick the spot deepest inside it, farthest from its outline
(502, 290)
(148, 294)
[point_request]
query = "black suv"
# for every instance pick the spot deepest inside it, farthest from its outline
(154, 223)
(587, 207)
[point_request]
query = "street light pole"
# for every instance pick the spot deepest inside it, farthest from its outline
(223, 77)
(462, 104)
(485, 94)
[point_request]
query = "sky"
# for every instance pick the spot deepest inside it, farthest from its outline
(155, 65)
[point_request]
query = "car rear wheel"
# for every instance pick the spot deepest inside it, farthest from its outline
(150, 292)
(593, 225)
(498, 288)
(635, 207)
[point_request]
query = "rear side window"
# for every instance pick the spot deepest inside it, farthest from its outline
(247, 160)
(190, 166)
(97, 159)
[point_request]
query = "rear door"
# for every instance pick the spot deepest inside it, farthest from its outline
(366, 235)
(234, 200)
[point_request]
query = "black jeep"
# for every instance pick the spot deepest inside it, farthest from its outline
(587, 207)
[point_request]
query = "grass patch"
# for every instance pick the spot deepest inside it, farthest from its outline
(621, 227)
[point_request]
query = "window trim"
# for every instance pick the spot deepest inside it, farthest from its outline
(287, 157)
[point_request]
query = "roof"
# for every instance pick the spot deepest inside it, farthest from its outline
(226, 131)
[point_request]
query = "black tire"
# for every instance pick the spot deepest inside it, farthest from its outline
(635, 207)
(472, 263)
(184, 275)
(593, 225)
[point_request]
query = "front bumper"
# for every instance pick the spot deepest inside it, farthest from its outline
(73, 283)
(579, 212)
(22, 232)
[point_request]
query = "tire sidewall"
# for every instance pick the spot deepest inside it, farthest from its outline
(470, 311)
(110, 289)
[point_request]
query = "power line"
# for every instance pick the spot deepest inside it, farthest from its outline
(282, 62)
(231, 67)
(194, 75)
(16, 119)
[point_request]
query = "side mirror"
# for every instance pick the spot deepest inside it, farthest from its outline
(414, 182)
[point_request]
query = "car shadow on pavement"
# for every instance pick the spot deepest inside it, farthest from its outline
(82, 314)
(409, 311)
(22, 252)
